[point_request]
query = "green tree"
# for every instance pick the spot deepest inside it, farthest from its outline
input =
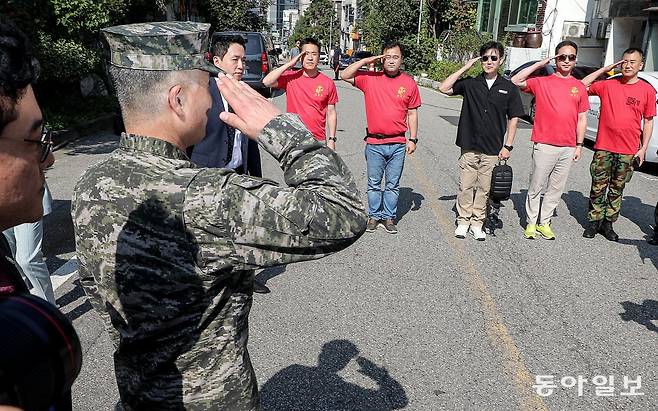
(317, 22)
(244, 15)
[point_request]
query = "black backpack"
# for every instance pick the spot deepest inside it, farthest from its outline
(501, 181)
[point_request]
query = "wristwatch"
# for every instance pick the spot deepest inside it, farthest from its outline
(414, 140)
(333, 138)
(579, 144)
(508, 148)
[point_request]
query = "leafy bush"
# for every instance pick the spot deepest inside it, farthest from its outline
(65, 60)
(418, 56)
(72, 112)
(439, 70)
(462, 45)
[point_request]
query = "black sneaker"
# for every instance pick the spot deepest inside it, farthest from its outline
(654, 239)
(372, 224)
(608, 232)
(592, 229)
(390, 227)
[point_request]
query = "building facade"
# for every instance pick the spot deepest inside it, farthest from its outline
(601, 28)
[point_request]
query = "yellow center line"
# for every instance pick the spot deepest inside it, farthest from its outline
(497, 331)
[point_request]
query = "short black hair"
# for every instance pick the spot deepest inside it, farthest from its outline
(632, 50)
(310, 40)
(18, 69)
(222, 43)
(492, 45)
(566, 43)
(392, 44)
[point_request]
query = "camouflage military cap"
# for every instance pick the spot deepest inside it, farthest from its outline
(168, 45)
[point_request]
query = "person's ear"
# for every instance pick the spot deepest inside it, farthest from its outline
(216, 61)
(176, 100)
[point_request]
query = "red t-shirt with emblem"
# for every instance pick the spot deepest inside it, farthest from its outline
(309, 97)
(622, 109)
(558, 100)
(387, 101)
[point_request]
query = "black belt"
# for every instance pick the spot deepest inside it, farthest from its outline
(381, 136)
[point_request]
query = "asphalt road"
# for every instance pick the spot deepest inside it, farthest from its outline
(421, 320)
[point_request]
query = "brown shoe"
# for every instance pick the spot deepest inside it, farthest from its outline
(371, 226)
(390, 227)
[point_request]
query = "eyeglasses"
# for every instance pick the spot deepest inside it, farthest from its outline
(46, 144)
(486, 58)
(566, 57)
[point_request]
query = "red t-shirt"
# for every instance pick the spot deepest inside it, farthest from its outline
(558, 101)
(622, 109)
(387, 102)
(309, 97)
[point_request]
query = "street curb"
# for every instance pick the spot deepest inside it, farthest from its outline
(104, 122)
(426, 82)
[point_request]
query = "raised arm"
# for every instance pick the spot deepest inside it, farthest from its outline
(520, 78)
(318, 212)
(271, 79)
(448, 83)
(350, 71)
(589, 79)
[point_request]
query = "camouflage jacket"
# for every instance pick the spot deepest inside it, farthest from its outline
(166, 254)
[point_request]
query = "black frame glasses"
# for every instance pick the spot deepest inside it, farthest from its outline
(566, 57)
(46, 144)
(486, 58)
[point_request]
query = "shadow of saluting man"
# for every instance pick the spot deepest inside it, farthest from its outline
(320, 388)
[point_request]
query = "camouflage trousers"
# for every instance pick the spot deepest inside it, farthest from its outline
(610, 173)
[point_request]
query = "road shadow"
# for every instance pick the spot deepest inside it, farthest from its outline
(641, 215)
(268, 273)
(642, 314)
(408, 201)
(299, 387)
(578, 206)
(58, 235)
(76, 293)
(100, 143)
(518, 201)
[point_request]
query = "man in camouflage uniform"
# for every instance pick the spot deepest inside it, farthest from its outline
(628, 106)
(167, 250)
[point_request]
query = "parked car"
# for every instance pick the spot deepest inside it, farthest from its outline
(344, 61)
(261, 56)
(324, 58)
(595, 110)
(360, 55)
(528, 100)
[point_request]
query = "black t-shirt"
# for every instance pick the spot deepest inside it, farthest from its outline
(484, 115)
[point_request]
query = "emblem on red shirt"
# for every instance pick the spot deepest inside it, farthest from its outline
(319, 90)
(574, 91)
(401, 91)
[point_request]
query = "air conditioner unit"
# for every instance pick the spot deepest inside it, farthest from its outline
(575, 29)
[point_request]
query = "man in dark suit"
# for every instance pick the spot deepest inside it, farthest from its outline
(223, 146)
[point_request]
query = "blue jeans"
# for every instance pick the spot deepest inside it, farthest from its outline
(387, 161)
(25, 242)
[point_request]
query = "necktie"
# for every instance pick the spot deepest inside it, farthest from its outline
(230, 131)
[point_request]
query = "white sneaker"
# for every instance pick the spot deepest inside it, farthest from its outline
(477, 233)
(461, 230)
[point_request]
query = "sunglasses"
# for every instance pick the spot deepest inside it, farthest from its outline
(486, 58)
(46, 144)
(566, 57)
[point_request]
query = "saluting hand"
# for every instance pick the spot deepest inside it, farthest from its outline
(295, 59)
(373, 59)
(252, 111)
(472, 62)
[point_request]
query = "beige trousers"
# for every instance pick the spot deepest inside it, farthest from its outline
(550, 171)
(474, 185)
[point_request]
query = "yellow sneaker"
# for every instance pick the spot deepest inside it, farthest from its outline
(530, 231)
(545, 231)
